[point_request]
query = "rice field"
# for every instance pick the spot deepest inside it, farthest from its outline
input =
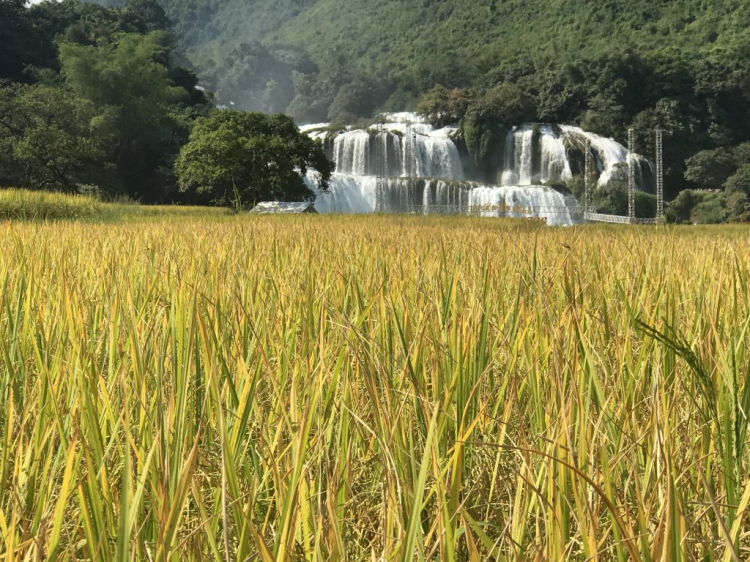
(41, 206)
(22, 204)
(389, 388)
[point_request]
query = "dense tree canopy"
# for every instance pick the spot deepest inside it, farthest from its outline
(443, 107)
(138, 106)
(92, 98)
(19, 41)
(253, 156)
(409, 47)
(105, 104)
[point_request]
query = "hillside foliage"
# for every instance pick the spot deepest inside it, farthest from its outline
(98, 99)
(679, 65)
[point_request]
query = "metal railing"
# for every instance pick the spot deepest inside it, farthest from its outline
(499, 209)
(586, 214)
(617, 219)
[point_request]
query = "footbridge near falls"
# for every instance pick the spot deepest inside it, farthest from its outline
(585, 212)
(590, 214)
(617, 219)
(580, 213)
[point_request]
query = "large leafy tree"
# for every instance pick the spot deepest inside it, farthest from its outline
(739, 182)
(137, 102)
(260, 157)
(48, 139)
(712, 168)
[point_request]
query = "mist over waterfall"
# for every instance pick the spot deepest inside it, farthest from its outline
(404, 165)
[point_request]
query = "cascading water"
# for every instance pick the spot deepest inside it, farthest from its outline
(544, 202)
(433, 154)
(406, 165)
(538, 154)
(518, 157)
(554, 161)
(346, 194)
(367, 194)
(608, 153)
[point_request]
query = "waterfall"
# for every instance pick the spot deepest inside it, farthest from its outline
(555, 165)
(608, 154)
(371, 153)
(374, 165)
(365, 194)
(436, 155)
(535, 155)
(351, 151)
(515, 201)
(346, 194)
(518, 168)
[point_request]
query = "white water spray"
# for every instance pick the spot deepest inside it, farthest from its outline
(373, 165)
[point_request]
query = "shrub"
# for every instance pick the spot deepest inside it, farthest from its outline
(442, 107)
(682, 207)
(739, 182)
(738, 207)
(711, 210)
(613, 200)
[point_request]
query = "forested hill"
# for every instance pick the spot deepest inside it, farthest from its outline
(261, 54)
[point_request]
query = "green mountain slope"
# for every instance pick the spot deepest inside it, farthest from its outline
(392, 33)
(408, 46)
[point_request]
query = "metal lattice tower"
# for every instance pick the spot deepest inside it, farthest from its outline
(587, 177)
(631, 175)
(381, 145)
(659, 176)
(411, 160)
(413, 176)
